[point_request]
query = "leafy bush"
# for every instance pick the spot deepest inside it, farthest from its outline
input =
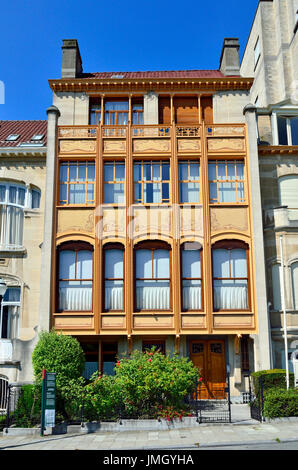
(62, 354)
(142, 384)
(272, 378)
(279, 403)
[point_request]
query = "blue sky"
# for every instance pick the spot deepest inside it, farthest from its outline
(113, 35)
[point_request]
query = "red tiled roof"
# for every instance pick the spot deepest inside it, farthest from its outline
(155, 74)
(25, 129)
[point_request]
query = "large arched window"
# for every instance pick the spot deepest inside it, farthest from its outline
(114, 277)
(230, 275)
(191, 276)
(152, 272)
(75, 278)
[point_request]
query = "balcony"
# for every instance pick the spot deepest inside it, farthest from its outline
(225, 139)
(280, 218)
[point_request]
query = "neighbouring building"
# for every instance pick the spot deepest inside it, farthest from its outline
(271, 57)
(22, 196)
(153, 220)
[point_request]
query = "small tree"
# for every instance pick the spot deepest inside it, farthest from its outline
(63, 355)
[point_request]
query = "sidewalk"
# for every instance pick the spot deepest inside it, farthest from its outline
(242, 430)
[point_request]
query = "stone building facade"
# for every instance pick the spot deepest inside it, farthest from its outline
(198, 233)
(22, 198)
(271, 57)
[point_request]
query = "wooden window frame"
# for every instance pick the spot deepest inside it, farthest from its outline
(153, 245)
(233, 245)
(65, 203)
(189, 161)
(182, 248)
(73, 246)
(115, 163)
(138, 113)
(106, 247)
(115, 112)
(96, 112)
(235, 181)
(151, 181)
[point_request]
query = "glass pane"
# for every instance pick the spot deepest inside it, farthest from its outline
(35, 199)
(194, 171)
(137, 171)
(282, 130)
(91, 172)
(119, 172)
(148, 193)
(213, 192)
(114, 264)
(84, 264)
(220, 263)
(90, 193)
(230, 295)
(2, 193)
(240, 171)
(63, 192)
(161, 264)
(144, 264)
(76, 194)
(153, 295)
(109, 172)
(238, 263)
(82, 172)
(138, 192)
(231, 171)
(227, 192)
(189, 192)
(72, 172)
(191, 263)
(67, 264)
(12, 294)
(165, 172)
(21, 196)
(116, 105)
(12, 194)
(294, 130)
(147, 172)
(156, 171)
(63, 172)
(183, 171)
(212, 171)
(165, 192)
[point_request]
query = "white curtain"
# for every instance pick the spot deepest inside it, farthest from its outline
(192, 296)
(153, 295)
(153, 274)
(191, 289)
(75, 296)
(288, 194)
(113, 279)
(230, 293)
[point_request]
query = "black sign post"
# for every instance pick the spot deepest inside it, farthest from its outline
(48, 400)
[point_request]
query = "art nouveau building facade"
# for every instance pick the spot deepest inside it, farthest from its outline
(153, 221)
(271, 57)
(22, 195)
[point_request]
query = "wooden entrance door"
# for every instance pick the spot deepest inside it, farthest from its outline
(209, 357)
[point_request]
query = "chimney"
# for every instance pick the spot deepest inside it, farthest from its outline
(71, 59)
(229, 59)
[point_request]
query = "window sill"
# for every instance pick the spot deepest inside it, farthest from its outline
(15, 251)
(73, 312)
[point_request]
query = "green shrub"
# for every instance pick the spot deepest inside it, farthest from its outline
(143, 384)
(63, 355)
(279, 403)
(272, 378)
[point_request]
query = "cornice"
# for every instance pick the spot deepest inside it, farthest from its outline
(91, 85)
(278, 149)
(22, 152)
